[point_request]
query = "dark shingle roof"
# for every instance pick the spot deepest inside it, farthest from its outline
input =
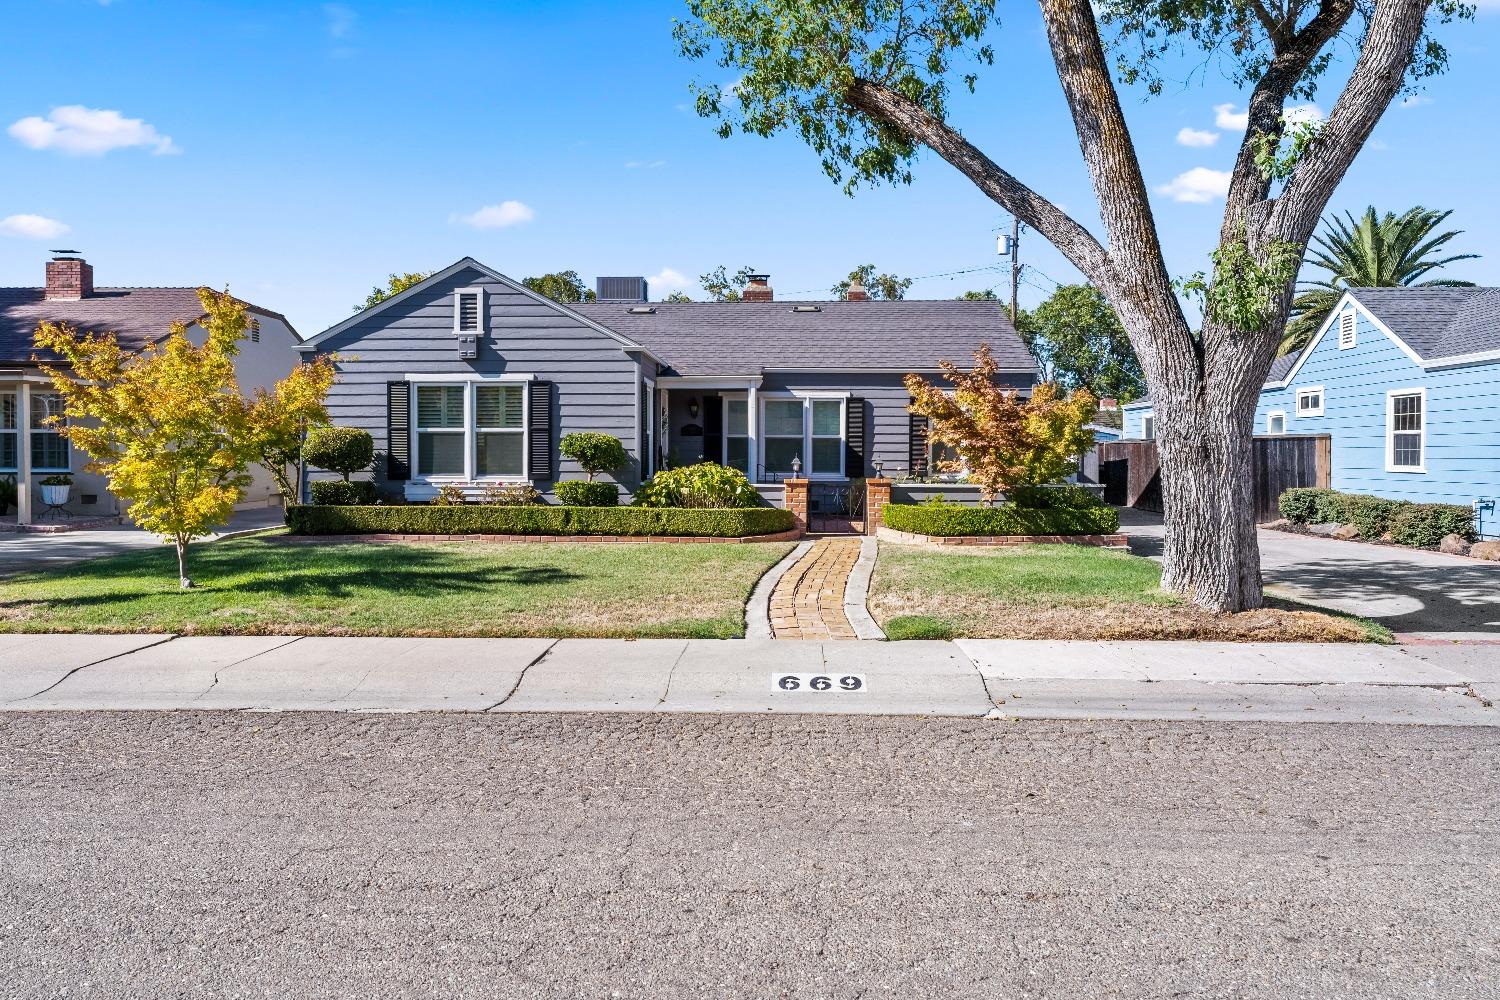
(1437, 322)
(1281, 366)
(744, 338)
(136, 316)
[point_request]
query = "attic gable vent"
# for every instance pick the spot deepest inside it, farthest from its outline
(807, 309)
(1347, 330)
(468, 312)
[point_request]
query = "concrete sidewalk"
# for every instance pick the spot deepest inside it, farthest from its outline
(1446, 685)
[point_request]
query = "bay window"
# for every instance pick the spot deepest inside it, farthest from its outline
(470, 430)
(49, 449)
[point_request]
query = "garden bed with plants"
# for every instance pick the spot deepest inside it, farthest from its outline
(1070, 592)
(1381, 521)
(539, 520)
(1032, 515)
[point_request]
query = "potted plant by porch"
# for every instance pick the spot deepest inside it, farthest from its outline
(55, 490)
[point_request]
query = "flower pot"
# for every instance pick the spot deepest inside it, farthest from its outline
(55, 496)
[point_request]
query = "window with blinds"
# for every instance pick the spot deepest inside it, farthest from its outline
(440, 430)
(499, 430)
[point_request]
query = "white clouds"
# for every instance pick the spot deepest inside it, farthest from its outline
(669, 280)
(1415, 100)
(1196, 138)
(644, 164)
(33, 227)
(507, 213)
(80, 131)
(1197, 186)
(1226, 117)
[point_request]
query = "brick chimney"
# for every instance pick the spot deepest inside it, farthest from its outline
(69, 278)
(759, 289)
(857, 292)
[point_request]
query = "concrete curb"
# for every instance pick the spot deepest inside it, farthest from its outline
(857, 592)
(758, 608)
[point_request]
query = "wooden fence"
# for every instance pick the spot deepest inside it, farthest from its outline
(1132, 475)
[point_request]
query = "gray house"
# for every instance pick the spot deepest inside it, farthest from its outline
(469, 377)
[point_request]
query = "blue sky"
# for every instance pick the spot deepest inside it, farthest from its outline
(299, 152)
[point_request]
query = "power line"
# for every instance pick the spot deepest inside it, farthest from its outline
(921, 277)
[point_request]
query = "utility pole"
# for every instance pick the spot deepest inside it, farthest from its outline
(1015, 266)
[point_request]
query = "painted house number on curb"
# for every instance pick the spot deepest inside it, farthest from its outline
(818, 682)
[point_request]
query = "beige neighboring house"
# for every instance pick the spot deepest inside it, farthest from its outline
(30, 451)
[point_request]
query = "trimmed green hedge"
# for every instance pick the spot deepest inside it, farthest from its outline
(479, 519)
(578, 493)
(1002, 519)
(1420, 525)
(338, 493)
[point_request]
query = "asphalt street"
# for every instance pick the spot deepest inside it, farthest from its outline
(338, 855)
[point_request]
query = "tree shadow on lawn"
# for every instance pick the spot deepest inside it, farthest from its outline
(1402, 596)
(411, 573)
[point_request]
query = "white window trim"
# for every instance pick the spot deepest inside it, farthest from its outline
(1353, 331)
(1390, 429)
(1322, 401)
(29, 429)
(458, 294)
(1149, 417)
(469, 431)
(724, 435)
(808, 396)
(1270, 414)
(13, 431)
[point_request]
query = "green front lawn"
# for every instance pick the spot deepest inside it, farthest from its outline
(1069, 592)
(265, 586)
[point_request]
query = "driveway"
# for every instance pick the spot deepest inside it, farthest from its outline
(20, 551)
(1409, 591)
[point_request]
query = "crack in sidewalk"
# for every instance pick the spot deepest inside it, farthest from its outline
(522, 675)
(666, 691)
(95, 663)
(204, 693)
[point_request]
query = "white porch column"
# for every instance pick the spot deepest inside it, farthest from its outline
(23, 454)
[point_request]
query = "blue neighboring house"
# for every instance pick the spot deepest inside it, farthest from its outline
(1406, 382)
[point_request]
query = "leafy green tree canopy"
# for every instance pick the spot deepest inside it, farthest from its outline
(1375, 251)
(724, 287)
(880, 286)
(561, 286)
(979, 295)
(1079, 343)
(677, 297)
(395, 285)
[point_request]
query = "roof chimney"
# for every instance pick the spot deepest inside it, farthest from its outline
(759, 289)
(857, 292)
(69, 277)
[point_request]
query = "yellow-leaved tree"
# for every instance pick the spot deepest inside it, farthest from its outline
(167, 424)
(1002, 440)
(278, 419)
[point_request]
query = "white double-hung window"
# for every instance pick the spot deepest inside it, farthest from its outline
(1310, 401)
(737, 433)
(49, 449)
(809, 429)
(470, 430)
(1406, 430)
(10, 432)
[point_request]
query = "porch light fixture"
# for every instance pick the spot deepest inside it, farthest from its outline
(796, 466)
(693, 407)
(879, 468)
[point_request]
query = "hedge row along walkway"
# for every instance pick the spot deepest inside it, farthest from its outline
(808, 601)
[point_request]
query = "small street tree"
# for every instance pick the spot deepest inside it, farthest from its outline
(166, 424)
(1079, 343)
(278, 419)
(1002, 440)
(866, 83)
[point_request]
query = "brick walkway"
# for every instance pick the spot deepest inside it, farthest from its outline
(808, 602)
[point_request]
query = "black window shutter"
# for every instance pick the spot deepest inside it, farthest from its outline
(541, 430)
(713, 429)
(397, 431)
(854, 438)
(917, 444)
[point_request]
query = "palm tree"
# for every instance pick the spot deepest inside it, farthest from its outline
(1374, 252)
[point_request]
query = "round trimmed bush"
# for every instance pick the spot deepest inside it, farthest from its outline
(578, 493)
(705, 485)
(342, 492)
(594, 452)
(340, 449)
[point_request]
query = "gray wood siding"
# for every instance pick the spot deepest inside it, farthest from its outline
(886, 398)
(595, 379)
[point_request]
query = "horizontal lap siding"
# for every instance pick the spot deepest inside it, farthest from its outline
(595, 380)
(1463, 419)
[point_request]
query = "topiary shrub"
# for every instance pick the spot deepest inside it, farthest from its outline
(706, 485)
(340, 449)
(577, 493)
(594, 452)
(1311, 505)
(1371, 515)
(1423, 525)
(949, 520)
(342, 493)
(481, 519)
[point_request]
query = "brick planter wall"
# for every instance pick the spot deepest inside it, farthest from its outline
(911, 538)
(877, 495)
